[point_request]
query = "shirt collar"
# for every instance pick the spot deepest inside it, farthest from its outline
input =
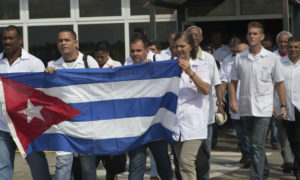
(200, 53)
(263, 53)
(23, 56)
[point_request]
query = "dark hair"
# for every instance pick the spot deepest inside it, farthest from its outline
(14, 28)
(138, 37)
(156, 44)
(139, 31)
(294, 39)
(188, 38)
(70, 31)
(256, 24)
(102, 46)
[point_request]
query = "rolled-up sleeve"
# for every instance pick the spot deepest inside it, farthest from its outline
(234, 75)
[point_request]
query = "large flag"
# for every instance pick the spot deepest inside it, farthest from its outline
(91, 111)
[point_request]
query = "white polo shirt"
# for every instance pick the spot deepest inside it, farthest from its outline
(214, 79)
(192, 106)
(25, 63)
(291, 74)
(257, 75)
(225, 77)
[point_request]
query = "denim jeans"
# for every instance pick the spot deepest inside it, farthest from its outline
(257, 128)
(208, 149)
(36, 160)
(153, 170)
(241, 132)
(274, 132)
(88, 167)
(137, 158)
(63, 167)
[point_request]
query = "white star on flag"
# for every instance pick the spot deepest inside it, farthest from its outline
(32, 111)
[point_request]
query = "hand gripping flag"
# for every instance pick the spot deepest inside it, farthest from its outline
(91, 111)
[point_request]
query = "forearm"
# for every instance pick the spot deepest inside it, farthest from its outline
(281, 92)
(232, 90)
(202, 86)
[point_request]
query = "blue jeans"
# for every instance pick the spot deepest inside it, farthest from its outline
(153, 170)
(63, 167)
(36, 160)
(274, 132)
(88, 167)
(241, 132)
(257, 128)
(137, 157)
(208, 149)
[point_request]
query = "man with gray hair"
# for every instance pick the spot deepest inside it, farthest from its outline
(215, 94)
(282, 42)
(286, 152)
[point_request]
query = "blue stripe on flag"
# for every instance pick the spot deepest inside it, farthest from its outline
(65, 77)
(123, 108)
(60, 142)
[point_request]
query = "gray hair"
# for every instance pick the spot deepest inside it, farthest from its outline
(283, 33)
(193, 26)
(234, 41)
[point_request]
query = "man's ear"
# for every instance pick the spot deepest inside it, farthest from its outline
(76, 44)
(262, 36)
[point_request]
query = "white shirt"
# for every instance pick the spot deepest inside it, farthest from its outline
(225, 77)
(162, 57)
(167, 52)
(78, 63)
(111, 62)
(25, 63)
(128, 61)
(214, 79)
(192, 106)
(221, 53)
(291, 74)
(257, 75)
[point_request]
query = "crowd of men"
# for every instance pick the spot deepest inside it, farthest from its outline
(263, 87)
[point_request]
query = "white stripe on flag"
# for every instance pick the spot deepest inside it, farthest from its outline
(115, 128)
(114, 90)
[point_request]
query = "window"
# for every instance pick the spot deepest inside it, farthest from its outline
(113, 33)
(9, 9)
(49, 9)
(141, 7)
(89, 8)
(42, 41)
(163, 30)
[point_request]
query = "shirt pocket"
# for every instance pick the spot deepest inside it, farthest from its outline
(265, 74)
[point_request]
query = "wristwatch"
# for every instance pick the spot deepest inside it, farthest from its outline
(220, 104)
(283, 105)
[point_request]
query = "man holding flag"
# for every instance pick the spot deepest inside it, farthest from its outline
(72, 59)
(15, 59)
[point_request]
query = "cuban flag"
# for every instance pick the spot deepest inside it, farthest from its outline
(91, 111)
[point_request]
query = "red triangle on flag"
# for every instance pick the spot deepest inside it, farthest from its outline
(51, 110)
